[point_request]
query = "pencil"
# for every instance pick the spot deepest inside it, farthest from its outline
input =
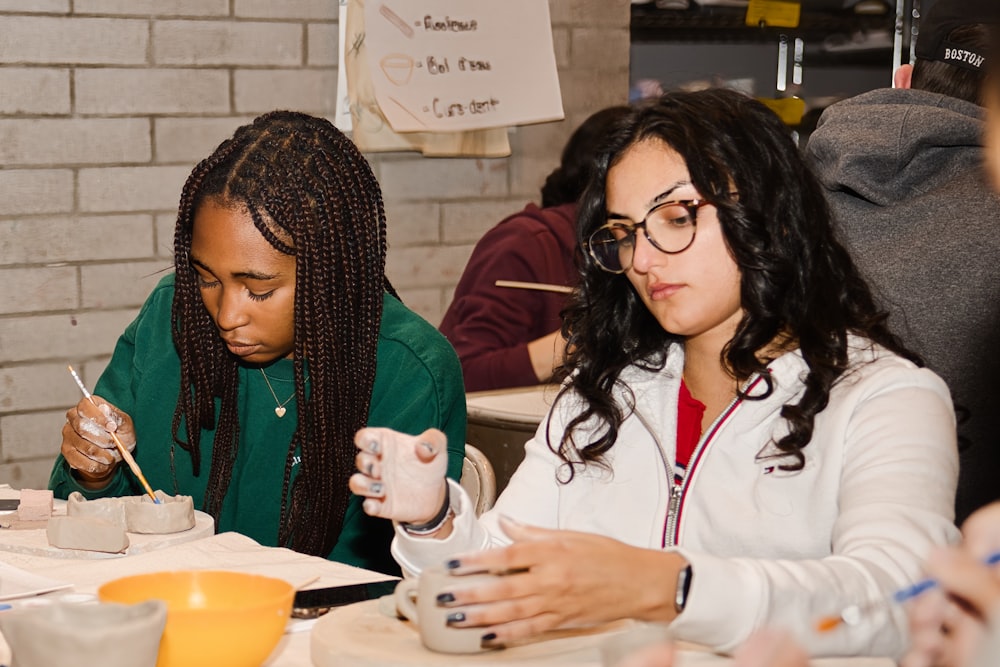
(543, 287)
(126, 454)
(852, 615)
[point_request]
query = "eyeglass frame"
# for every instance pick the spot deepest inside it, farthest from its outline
(692, 206)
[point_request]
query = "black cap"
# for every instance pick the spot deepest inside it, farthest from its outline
(943, 17)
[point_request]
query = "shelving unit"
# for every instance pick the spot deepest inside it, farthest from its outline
(726, 24)
(840, 53)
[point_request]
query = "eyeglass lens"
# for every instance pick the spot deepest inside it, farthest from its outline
(670, 227)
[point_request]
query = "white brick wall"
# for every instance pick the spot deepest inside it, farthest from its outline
(73, 41)
(106, 105)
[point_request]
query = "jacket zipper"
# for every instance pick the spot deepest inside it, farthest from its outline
(678, 491)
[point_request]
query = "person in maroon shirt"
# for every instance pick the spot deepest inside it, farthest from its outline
(510, 337)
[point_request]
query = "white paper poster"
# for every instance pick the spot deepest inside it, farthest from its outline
(342, 118)
(449, 65)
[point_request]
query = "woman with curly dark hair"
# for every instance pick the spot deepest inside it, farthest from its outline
(739, 440)
(279, 336)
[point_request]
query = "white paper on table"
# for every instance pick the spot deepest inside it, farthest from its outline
(16, 583)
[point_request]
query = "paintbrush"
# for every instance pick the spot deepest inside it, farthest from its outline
(126, 454)
(853, 614)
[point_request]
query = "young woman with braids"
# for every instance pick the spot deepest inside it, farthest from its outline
(279, 336)
(739, 442)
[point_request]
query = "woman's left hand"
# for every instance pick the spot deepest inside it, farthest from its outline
(558, 578)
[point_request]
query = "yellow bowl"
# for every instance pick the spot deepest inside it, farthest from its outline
(214, 618)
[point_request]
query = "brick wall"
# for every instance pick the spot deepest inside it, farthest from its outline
(106, 105)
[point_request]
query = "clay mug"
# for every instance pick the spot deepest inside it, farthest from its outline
(416, 600)
(107, 634)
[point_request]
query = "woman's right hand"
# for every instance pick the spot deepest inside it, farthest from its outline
(87, 444)
(947, 626)
(401, 477)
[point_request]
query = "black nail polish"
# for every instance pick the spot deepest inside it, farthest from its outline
(455, 617)
(489, 636)
(453, 564)
(445, 598)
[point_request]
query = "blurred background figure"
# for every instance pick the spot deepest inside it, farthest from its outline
(959, 626)
(903, 171)
(509, 337)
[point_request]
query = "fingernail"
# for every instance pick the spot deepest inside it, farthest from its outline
(453, 564)
(375, 487)
(374, 447)
(489, 636)
(369, 468)
(428, 446)
(445, 598)
(455, 617)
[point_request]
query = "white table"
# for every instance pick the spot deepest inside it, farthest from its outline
(227, 551)
(231, 551)
(354, 628)
(502, 420)
(362, 635)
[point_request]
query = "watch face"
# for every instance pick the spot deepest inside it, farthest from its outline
(683, 586)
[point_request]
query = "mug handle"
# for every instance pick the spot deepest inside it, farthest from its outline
(404, 594)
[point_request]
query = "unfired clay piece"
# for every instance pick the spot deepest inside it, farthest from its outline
(106, 634)
(137, 514)
(172, 515)
(102, 509)
(87, 533)
(35, 505)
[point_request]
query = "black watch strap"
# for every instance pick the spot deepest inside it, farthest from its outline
(434, 524)
(683, 587)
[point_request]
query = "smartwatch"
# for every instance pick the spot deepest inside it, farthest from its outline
(683, 587)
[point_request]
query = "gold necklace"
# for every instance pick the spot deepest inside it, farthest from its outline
(280, 410)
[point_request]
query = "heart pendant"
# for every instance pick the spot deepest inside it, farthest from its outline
(280, 411)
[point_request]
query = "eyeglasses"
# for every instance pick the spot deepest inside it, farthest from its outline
(669, 227)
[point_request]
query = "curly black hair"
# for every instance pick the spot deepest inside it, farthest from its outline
(312, 195)
(797, 280)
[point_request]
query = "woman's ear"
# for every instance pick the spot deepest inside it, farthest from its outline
(903, 77)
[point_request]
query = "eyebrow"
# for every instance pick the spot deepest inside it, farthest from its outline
(658, 199)
(250, 275)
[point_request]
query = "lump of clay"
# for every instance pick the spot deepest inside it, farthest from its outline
(102, 509)
(35, 505)
(81, 634)
(137, 514)
(87, 533)
(172, 515)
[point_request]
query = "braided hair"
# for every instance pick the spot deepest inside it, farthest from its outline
(312, 195)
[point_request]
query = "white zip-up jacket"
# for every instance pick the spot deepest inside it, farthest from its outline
(767, 547)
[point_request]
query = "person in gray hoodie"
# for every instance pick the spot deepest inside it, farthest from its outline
(903, 170)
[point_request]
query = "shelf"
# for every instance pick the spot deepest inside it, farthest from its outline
(727, 25)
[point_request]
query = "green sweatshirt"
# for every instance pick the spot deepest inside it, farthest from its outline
(418, 385)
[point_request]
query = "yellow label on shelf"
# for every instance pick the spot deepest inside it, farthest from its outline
(773, 13)
(789, 109)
